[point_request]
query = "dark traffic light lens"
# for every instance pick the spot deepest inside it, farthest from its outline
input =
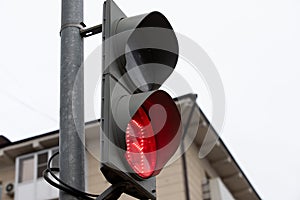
(141, 144)
(149, 49)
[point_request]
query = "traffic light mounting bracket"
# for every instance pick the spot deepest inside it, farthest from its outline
(84, 32)
(91, 31)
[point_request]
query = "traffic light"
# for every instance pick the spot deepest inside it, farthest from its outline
(141, 125)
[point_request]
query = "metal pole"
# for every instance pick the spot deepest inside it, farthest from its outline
(71, 138)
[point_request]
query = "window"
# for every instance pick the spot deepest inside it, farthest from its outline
(29, 176)
(26, 169)
(42, 163)
(32, 166)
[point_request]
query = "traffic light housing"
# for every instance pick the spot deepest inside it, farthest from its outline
(141, 125)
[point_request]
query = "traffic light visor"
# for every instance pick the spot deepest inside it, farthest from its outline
(151, 44)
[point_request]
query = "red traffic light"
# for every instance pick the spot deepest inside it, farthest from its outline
(140, 144)
(141, 126)
(153, 134)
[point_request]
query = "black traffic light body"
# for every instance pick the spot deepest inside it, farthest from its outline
(141, 126)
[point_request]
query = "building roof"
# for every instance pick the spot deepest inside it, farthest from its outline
(10, 150)
(213, 150)
(4, 141)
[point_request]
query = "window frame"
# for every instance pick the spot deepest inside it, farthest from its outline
(35, 164)
(43, 165)
(19, 166)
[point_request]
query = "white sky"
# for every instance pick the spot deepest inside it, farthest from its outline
(254, 44)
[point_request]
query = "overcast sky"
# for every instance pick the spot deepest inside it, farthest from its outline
(254, 44)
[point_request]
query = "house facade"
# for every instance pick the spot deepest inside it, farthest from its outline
(215, 176)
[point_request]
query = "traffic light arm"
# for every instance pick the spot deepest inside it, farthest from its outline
(91, 31)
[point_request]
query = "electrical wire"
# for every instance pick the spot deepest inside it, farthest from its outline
(62, 185)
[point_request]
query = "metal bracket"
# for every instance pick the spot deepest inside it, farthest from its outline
(113, 192)
(91, 31)
(80, 26)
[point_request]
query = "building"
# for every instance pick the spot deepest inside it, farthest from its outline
(217, 176)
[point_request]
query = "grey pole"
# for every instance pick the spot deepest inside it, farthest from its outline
(71, 138)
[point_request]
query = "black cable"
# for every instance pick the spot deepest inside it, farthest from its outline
(62, 185)
(59, 180)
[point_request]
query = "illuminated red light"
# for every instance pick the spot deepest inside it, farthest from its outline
(141, 144)
(152, 134)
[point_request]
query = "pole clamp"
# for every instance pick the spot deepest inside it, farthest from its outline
(80, 26)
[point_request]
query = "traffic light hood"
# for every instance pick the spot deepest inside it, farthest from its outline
(149, 49)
